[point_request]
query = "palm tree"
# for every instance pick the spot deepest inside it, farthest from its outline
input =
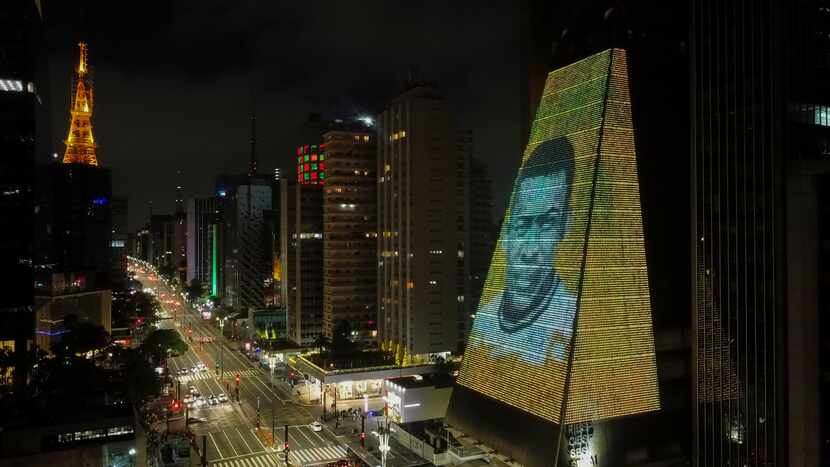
(321, 342)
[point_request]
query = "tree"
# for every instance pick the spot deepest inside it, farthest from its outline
(194, 290)
(141, 378)
(341, 341)
(81, 337)
(160, 341)
(321, 342)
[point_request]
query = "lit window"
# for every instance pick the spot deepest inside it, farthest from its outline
(365, 139)
(11, 85)
(403, 133)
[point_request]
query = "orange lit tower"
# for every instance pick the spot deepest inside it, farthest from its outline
(80, 144)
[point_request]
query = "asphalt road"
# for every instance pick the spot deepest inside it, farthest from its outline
(230, 427)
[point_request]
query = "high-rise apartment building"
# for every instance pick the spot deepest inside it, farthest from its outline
(481, 241)
(203, 245)
(350, 231)
(301, 219)
(417, 240)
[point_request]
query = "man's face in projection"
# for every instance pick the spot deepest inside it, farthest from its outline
(537, 224)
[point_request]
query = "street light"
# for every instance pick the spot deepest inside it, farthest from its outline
(384, 429)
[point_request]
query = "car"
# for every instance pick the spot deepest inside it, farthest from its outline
(194, 370)
(316, 426)
(223, 397)
(188, 399)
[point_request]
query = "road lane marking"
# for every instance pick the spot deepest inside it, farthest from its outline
(230, 444)
(257, 439)
(321, 438)
(302, 432)
(243, 440)
(294, 438)
(216, 446)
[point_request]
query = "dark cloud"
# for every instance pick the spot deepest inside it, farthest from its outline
(174, 79)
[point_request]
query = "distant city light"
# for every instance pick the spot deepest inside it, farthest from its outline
(369, 121)
(223, 193)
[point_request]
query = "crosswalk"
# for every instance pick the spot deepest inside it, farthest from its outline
(212, 374)
(256, 460)
(313, 456)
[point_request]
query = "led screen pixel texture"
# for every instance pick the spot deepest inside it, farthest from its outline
(571, 255)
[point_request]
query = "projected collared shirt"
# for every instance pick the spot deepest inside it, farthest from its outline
(547, 336)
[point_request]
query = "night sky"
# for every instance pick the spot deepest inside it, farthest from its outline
(173, 81)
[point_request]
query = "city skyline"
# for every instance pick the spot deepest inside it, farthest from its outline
(385, 234)
(164, 82)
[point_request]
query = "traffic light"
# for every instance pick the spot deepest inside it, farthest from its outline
(237, 379)
(362, 430)
(175, 406)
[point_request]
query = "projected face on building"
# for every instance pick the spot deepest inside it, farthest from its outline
(571, 245)
(533, 316)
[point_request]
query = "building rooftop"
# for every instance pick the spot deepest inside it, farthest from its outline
(421, 381)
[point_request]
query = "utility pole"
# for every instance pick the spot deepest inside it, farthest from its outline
(257, 412)
(363, 430)
(204, 451)
(286, 445)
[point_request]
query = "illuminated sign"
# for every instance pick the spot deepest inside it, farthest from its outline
(311, 165)
(571, 256)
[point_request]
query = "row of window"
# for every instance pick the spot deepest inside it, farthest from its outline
(66, 438)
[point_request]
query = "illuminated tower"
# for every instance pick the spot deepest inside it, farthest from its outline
(80, 144)
(567, 303)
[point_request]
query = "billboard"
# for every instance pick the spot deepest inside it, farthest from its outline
(563, 330)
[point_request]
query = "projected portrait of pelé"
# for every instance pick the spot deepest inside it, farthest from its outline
(532, 317)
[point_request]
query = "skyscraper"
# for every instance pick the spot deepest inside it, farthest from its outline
(417, 246)
(22, 105)
(807, 231)
(301, 215)
(179, 258)
(737, 153)
(161, 236)
(247, 257)
(350, 231)
(203, 219)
